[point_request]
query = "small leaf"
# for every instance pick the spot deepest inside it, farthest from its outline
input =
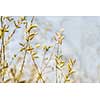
(22, 18)
(16, 25)
(30, 48)
(37, 45)
(31, 27)
(31, 36)
(22, 49)
(69, 67)
(12, 72)
(21, 44)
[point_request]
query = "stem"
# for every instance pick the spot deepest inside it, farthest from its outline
(32, 19)
(10, 36)
(56, 65)
(22, 66)
(2, 47)
(49, 58)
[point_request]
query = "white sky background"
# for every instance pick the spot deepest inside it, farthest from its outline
(82, 36)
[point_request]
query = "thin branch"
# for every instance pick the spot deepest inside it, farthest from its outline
(49, 58)
(10, 36)
(2, 47)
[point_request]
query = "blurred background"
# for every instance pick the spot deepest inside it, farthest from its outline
(82, 36)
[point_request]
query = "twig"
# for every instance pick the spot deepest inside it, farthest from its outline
(2, 47)
(49, 58)
(56, 65)
(10, 36)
